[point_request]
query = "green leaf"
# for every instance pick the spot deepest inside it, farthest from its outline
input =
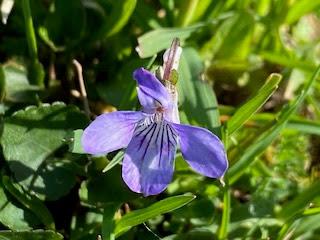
(17, 87)
(244, 113)
(104, 188)
(30, 235)
(300, 8)
(30, 141)
(29, 201)
(120, 14)
(14, 216)
(75, 142)
(142, 215)
(115, 161)
(157, 40)
(196, 97)
(268, 135)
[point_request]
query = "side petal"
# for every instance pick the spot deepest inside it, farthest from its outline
(110, 131)
(151, 92)
(148, 163)
(202, 150)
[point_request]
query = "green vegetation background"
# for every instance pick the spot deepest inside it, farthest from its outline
(270, 124)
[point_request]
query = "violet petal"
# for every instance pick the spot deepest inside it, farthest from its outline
(202, 150)
(151, 92)
(148, 163)
(110, 131)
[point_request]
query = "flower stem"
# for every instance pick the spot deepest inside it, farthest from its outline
(223, 229)
(31, 37)
(35, 69)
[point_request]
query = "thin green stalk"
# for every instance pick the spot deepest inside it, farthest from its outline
(224, 226)
(223, 229)
(31, 37)
(35, 69)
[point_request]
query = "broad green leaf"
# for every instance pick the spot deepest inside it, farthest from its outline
(142, 215)
(17, 87)
(75, 142)
(160, 39)
(30, 235)
(14, 216)
(300, 8)
(29, 201)
(196, 97)
(120, 14)
(103, 188)
(30, 139)
(268, 135)
(244, 113)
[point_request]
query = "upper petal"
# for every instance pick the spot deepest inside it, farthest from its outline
(202, 150)
(110, 131)
(148, 163)
(151, 92)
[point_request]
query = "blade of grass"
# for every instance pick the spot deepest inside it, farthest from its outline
(267, 136)
(116, 160)
(139, 216)
(244, 113)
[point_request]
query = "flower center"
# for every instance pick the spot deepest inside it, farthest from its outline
(157, 117)
(159, 109)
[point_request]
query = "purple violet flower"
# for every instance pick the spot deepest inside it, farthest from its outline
(151, 137)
